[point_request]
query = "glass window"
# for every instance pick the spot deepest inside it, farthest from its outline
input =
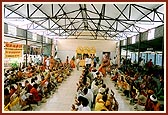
(34, 37)
(151, 56)
(123, 52)
(143, 56)
(12, 30)
(151, 34)
(124, 42)
(159, 59)
(46, 40)
(133, 39)
(133, 56)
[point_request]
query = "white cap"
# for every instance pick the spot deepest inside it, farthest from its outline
(153, 98)
(101, 90)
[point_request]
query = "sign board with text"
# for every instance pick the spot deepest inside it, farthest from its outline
(13, 50)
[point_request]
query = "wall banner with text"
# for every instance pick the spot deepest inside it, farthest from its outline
(13, 50)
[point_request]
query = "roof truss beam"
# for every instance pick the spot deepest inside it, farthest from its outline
(122, 11)
(66, 16)
(82, 18)
(49, 18)
(37, 8)
(145, 15)
(12, 11)
(28, 19)
(84, 15)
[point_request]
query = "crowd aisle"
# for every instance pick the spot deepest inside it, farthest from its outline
(63, 98)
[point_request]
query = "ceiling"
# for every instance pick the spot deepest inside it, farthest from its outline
(107, 21)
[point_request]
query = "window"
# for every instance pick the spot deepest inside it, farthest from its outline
(34, 37)
(159, 59)
(46, 40)
(151, 56)
(133, 39)
(133, 56)
(151, 34)
(123, 52)
(124, 42)
(12, 30)
(143, 56)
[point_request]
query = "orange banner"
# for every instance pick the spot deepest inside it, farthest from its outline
(13, 50)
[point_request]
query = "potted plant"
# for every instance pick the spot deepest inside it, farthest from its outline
(14, 64)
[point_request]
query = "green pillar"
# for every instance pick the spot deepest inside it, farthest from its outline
(26, 47)
(139, 47)
(163, 53)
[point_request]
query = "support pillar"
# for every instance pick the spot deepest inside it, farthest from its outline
(162, 53)
(126, 55)
(52, 46)
(120, 54)
(139, 47)
(42, 56)
(26, 47)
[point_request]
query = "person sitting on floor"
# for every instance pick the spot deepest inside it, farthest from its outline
(78, 104)
(99, 79)
(155, 104)
(100, 94)
(110, 102)
(88, 94)
(95, 89)
(100, 104)
(37, 98)
(6, 96)
(148, 101)
(133, 96)
(160, 92)
(85, 104)
(12, 90)
(115, 77)
(28, 86)
(19, 75)
(140, 106)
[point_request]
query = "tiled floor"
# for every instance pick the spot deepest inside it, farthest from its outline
(63, 98)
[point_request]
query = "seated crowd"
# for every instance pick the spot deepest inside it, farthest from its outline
(144, 86)
(30, 86)
(93, 94)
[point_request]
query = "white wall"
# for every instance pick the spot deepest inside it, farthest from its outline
(67, 47)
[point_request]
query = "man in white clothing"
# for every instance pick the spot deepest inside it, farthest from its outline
(47, 62)
(88, 94)
(89, 62)
(86, 61)
(77, 63)
(142, 63)
(85, 104)
(114, 61)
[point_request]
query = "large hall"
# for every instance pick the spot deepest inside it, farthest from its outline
(83, 57)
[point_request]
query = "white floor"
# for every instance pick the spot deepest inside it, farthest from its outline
(63, 98)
